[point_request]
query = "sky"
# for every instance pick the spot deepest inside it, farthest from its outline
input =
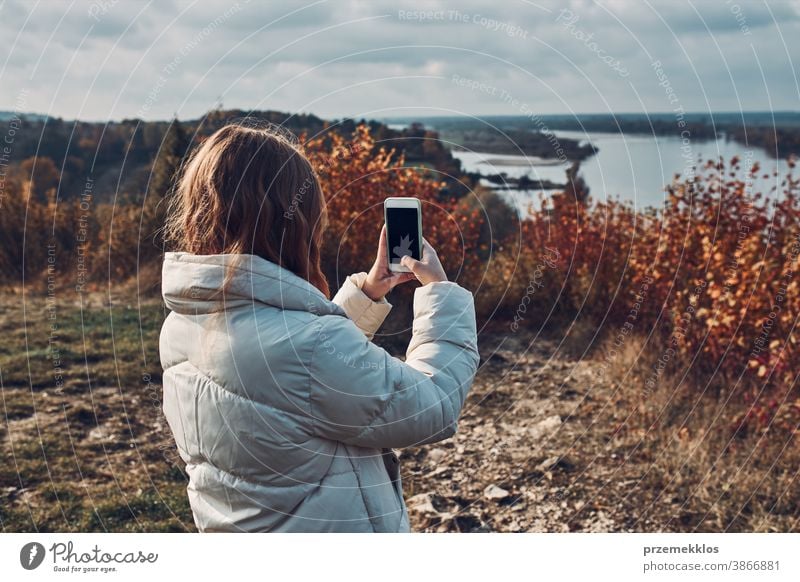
(110, 59)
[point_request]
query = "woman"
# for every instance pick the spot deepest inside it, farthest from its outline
(282, 408)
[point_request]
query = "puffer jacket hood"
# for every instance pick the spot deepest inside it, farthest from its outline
(192, 284)
(282, 408)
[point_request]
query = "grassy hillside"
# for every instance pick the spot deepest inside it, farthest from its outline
(84, 443)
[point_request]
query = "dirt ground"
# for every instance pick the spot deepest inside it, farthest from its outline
(539, 449)
(526, 456)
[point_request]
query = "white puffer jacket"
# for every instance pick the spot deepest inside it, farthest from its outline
(283, 409)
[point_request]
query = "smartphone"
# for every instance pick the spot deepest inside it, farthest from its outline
(403, 217)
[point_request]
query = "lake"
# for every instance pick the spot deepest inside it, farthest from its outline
(631, 167)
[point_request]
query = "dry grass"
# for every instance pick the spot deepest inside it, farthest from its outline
(700, 473)
(94, 454)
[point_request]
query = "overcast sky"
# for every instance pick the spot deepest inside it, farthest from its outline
(112, 59)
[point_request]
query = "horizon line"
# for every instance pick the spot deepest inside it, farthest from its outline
(423, 116)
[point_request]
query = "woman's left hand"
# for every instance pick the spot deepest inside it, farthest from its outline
(380, 280)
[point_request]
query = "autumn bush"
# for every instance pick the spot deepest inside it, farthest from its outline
(42, 238)
(711, 279)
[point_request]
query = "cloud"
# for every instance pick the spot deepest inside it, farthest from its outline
(107, 59)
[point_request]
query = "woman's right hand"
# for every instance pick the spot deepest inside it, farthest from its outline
(429, 269)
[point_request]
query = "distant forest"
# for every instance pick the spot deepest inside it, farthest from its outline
(126, 159)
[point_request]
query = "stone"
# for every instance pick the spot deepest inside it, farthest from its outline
(494, 492)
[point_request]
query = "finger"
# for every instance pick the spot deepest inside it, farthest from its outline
(427, 250)
(383, 251)
(382, 241)
(409, 262)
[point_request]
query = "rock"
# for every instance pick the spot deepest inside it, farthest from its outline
(547, 464)
(556, 462)
(99, 433)
(422, 502)
(494, 492)
(429, 505)
(545, 427)
(442, 471)
(436, 455)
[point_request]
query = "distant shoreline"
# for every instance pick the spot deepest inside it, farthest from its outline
(778, 133)
(535, 161)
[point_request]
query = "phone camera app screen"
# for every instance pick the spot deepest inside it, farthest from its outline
(402, 224)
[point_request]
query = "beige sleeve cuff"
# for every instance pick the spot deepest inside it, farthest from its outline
(367, 314)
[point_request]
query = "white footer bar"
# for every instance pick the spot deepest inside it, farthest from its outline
(406, 557)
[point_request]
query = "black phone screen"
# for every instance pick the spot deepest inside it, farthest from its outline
(402, 225)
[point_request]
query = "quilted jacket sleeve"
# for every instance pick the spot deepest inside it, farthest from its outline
(362, 395)
(368, 315)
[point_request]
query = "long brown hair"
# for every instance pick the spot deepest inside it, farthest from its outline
(251, 190)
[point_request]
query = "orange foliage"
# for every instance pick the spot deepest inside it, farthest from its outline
(356, 178)
(714, 276)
